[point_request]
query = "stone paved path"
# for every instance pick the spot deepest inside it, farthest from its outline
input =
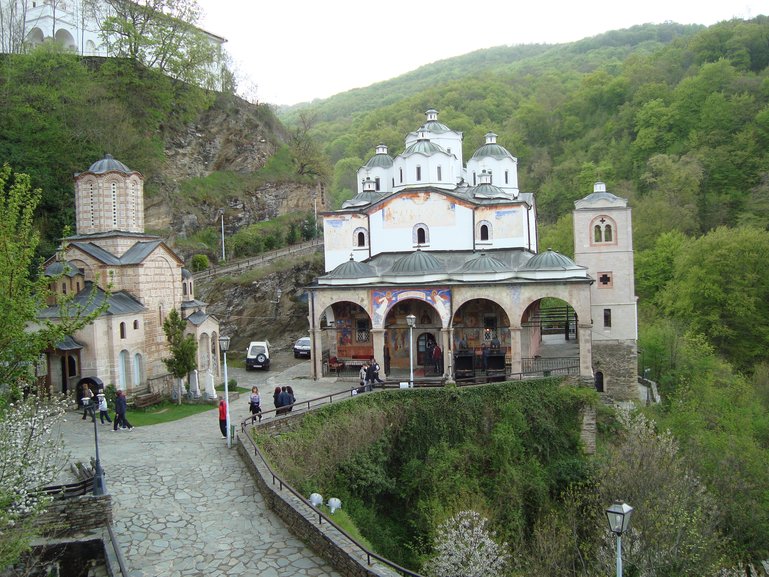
(185, 505)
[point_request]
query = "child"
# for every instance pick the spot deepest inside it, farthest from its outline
(103, 414)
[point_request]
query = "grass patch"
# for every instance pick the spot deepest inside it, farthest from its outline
(166, 412)
(342, 519)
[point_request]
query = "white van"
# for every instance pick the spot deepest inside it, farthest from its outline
(258, 355)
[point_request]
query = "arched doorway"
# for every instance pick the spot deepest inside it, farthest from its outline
(549, 338)
(95, 384)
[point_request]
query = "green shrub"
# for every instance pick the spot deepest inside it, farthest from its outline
(199, 262)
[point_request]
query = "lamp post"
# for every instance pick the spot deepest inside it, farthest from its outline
(221, 212)
(619, 522)
(224, 346)
(98, 479)
(411, 320)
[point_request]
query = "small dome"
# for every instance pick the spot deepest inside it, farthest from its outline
(362, 199)
(352, 269)
(483, 264)
(58, 267)
(432, 124)
(550, 260)
(186, 274)
(109, 164)
(417, 263)
(485, 190)
(379, 161)
(423, 146)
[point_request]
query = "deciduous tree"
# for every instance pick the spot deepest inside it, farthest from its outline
(184, 349)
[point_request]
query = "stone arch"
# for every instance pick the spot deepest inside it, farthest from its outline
(138, 369)
(603, 230)
(65, 39)
(35, 37)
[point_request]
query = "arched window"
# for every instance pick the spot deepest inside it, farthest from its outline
(440, 174)
(401, 175)
(122, 330)
(138, 369)
(419, 173)
(420, 234)
(360, 238)
(377, 184)
(603, 229)
(124, 369)
(136, 325)
(484, 232)
(184, 288)
(507, 177)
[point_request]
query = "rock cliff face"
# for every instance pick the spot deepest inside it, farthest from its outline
(233, 135)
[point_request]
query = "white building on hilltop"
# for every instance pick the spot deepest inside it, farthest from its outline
(112, 261)
(454, 250)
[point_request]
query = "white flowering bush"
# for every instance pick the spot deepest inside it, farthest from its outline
(31, 455)
(464, 547)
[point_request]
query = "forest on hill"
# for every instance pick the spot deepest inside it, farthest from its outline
(675, 119)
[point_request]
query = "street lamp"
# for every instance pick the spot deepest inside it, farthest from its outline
(224, 346)
(411, 321)
(98, 479)
(619, 522)
(221, 212)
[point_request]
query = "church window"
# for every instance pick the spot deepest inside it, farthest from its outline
(138, 369)
(507, 177)
(484, 232)
(136, 325)
(603, 229)
(605, 280)
(360, 237)
(377, 184)
(123, 370)
(420, 234)
(474, 179)
(63, 288)
(439, 174)
(607, 318)
(419, 173)
(114, 204)
(184, 289)
(401, 174)
(77, 284)
(122, 330)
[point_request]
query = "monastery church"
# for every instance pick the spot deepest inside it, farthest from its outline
(454, 249)
(125, 345)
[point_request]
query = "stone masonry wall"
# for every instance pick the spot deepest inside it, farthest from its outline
(78, 515)
(618, 363)
(303, 522)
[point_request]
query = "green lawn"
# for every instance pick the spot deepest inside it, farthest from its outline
(166, 412)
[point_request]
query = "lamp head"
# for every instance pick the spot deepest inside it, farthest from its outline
(411, 320)
(334, 504)
(619, 517)
(224, 343)
(316, 499)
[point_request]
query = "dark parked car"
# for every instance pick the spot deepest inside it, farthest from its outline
(302, 348)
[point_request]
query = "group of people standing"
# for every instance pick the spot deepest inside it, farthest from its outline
(121, 406)
(369, 374)
(284, 399)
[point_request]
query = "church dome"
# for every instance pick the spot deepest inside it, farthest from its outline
(492, 150)
(483, 264)
(423, 146)
(417, 263)
(550, 260)
(109, 164)
(432, 124)
(486, 190)
(352, 269)
(362, 199)
(381, 159)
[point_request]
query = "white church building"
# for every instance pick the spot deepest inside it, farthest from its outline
(453, 249)
(112, 262)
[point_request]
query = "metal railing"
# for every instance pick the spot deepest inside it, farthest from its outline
(322, 517)
(263, 258)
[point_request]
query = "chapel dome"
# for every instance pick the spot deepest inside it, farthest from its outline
(381, 159)
(423, 146)
(550, 260)
(352, 269)
(432, 124)
(492, 150)
(417, 263)
(483, 264)
(487, 190)
(109, 164)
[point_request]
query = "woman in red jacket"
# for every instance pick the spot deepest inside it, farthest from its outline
(223, 417)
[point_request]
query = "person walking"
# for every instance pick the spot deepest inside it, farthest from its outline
(103, 411)
(376, 372)
(284, 402)
(255, 404)
(369, 377)
(276, 399)
(223, 417)
(291, 398)
(121, 406)
(87, 400)
(362, 377)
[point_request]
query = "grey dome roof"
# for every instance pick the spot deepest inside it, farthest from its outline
(379, 161)
(550, 260)
(484, 263)
(594, 196)
(485, 190)
(352, 269)
(492, 150)
(435, 127)
(58, 267)
(186, 274)
(362, 199)
(108, 164)
(416, 263)
(423, 146)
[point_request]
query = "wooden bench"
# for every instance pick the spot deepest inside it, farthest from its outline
(147, 400)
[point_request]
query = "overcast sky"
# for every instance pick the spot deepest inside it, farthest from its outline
(290, 51)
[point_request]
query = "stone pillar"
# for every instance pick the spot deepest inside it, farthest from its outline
(377, 338)
(316, 353)
(515, 350)
(585, 350)
(448, 356)
(446, 348)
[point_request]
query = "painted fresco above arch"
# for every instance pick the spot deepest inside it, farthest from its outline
(382, 300)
